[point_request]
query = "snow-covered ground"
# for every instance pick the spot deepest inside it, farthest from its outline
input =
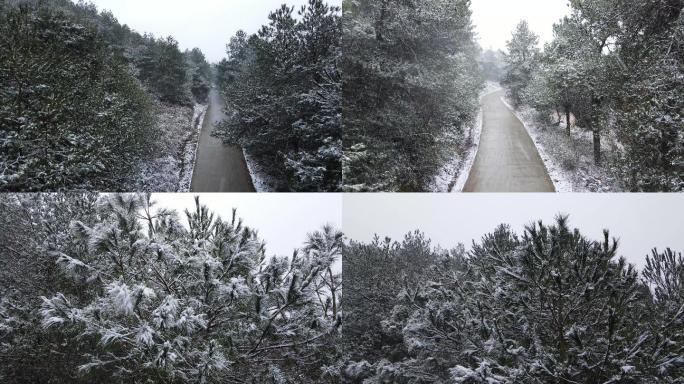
(569, 160)
(262, 182)
(189, 156)
(453, 175)
(170, 170)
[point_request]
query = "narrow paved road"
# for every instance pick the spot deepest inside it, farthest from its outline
(219, 167)
(507, 159)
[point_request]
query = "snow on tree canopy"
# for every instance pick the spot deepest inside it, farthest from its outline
(198, 302)
(549, 305)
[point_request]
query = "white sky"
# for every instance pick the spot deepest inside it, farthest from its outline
(495, 20)
(282, 219)
(207, 24)
(639, 221)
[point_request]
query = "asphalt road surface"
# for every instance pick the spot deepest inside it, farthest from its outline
(219, 167)
(507, 159)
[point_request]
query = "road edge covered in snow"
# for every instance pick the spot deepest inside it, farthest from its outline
(261, 181)
(453, 175)
(462, 178)
(189, 157)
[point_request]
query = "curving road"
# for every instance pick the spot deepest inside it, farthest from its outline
(219, 167)
(507, 159)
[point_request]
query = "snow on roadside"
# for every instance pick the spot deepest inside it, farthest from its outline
(169, 169)
(453, 175)
(262, 181)
(467, 163)
(443, 180)
(189, 157)
(569, 161)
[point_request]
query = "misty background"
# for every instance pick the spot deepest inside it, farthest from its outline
(495, 20)
(639, 221)
(209, 24)
(206, 24)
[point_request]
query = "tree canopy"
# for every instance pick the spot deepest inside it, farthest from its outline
(549, 305)
(282, 88)
(119, 290)
(617, 67)
(78, 93)
(410, 90)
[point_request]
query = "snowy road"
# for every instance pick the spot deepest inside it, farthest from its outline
(507, 159)
(219, 167)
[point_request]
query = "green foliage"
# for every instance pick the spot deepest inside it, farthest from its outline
(649, 118)
(163, 68)
(73, 117)
(282, 88)
(521, 61)
(373, 275)
(200, 74)
(548, 306)
(410, 89)
(33, 226)
(664, 273)
(76, 90)
(115, 289)
(617, 65)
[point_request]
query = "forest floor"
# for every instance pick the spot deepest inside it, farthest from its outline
(219, 167)
(570, 160)
(507, 159)
(169, 170)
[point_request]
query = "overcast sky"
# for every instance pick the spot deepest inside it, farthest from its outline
(639, 221)
(282, 219)
(207, 24)
(495, 20)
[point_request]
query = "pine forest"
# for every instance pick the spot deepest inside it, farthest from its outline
(89, 104)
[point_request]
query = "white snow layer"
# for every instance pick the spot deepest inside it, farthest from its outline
(190, 150)
(262, 182)
(170, 168)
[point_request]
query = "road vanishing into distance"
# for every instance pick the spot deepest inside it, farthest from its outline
(219, 167)
(507, 159)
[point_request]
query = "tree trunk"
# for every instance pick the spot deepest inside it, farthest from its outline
(596, 129)
(380, 22)
(333, 294)
(560, 332)
(597, 144)
(567, 121)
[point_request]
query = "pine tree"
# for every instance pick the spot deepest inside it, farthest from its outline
(492, 63)
(410, 89)
(33, 227)
(283, 92)
(200, 301)
(164, 69)
(616, 66)
(547, 306)
(70, 110)
(661, 346)
(521, 61)
(199, 71)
